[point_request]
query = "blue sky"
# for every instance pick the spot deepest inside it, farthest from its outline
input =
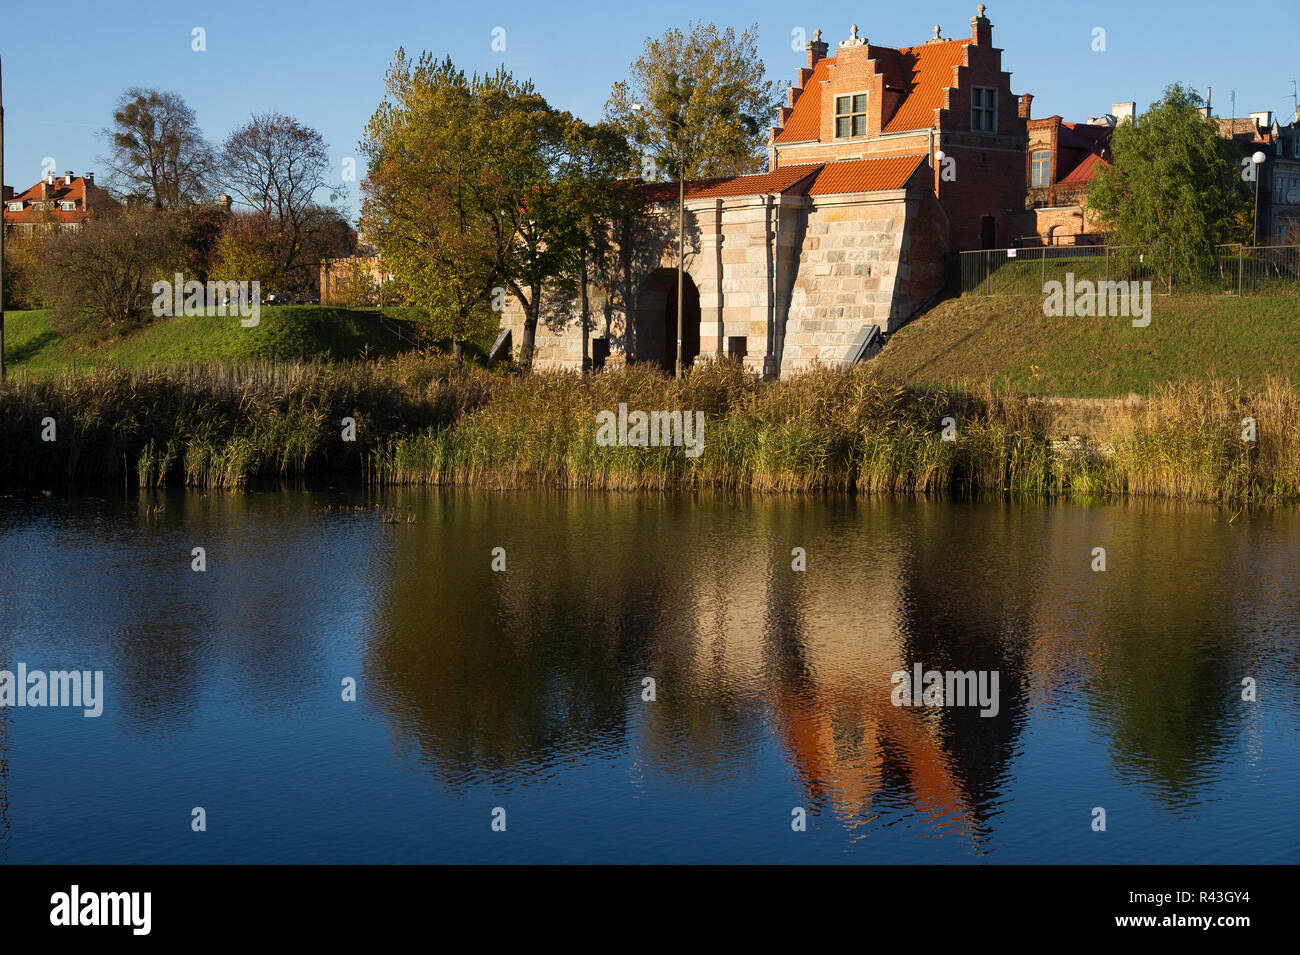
(324, 63)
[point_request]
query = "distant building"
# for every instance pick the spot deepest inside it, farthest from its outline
(1060, 163)
(1282, 218)
(55, 204)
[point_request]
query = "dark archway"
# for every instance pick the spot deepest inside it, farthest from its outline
(656, 320)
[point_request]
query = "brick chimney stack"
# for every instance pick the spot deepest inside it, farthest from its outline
(816, 49)
(981, 30)
(1026, 101)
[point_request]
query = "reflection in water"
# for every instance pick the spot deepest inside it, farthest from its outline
(772, 686)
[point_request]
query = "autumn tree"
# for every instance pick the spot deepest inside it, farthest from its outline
(704, 99)
(1174, 188)
(102, 274)
(594, 179)
(425, 188)
(278, 167)
(158, 154)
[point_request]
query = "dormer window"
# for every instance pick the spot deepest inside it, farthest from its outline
(15, 207)
(1042, 168)
(68, 206)
(850, 115)
(984, 109)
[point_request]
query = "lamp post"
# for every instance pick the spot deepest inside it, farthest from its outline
(681, 217)
(1258, 159)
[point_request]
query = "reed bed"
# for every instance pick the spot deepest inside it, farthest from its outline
(426, 420)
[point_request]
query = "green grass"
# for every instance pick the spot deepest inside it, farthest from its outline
(289, 332)
(1006, 341)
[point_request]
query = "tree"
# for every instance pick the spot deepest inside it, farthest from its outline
(594, 180)
(535, 226)
(277, 166)
(425, 188)
(158, 154)
(703, 96)
(102, 274)
(1174, 188)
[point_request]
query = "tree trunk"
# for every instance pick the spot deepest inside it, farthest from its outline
(530, 335)
(586, 318)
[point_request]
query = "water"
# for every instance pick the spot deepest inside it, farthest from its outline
(523, 689)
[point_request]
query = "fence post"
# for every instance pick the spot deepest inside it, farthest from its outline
(1239, 268)
(1042, 258)
(1108, 263)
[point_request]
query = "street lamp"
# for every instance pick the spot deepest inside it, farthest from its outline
(1258, 160)
(681, 216)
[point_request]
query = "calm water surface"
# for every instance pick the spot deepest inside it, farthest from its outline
(523, 689)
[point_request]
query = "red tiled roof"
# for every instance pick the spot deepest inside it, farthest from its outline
(59, 192)
(865, 175)
(928, 72)
(805, 121)
(1084, 171)
(779, 180)
(923, 72)
(815, 179)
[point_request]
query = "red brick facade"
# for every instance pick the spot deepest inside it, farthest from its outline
(919, 101)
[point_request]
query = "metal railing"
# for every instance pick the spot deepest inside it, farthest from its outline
(1238, 270)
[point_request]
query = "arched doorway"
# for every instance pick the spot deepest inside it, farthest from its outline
(656, 320)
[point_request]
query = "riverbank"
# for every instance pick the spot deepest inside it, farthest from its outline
(421, 420)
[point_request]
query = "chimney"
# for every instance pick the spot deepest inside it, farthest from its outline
(90, 178)
(67, 177)
(816, 49)
(6, 193)
(47, 188)
(1263, 120)
(1026, 101)
(981, 30)
(1124, 111)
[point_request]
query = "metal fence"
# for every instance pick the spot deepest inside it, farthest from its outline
(1238, 270)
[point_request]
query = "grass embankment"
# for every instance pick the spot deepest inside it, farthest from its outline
(428, 420)
(1007, 342)
(287, 332)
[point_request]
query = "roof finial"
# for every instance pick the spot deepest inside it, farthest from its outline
(854, 39)
(980, 9)
(817, 35)
(936, 31)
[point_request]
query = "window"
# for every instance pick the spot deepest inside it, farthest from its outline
(1295, 147)
(851, 115)
(68, 206)
(15, 207)
(984, 109)
(1042, 168)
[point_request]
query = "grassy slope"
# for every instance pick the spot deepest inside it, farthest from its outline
(1009, 342)
(291, 332)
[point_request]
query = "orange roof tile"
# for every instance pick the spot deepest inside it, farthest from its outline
(924, 72)
(814, 179)
(928, 72)
(1084, 171)
(805, 121)
(865, 175)
(779, 180)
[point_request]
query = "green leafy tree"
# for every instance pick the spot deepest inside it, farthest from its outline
(595, 181)
(1174, 189)
(535, 226)
(703, 98)
(424, 190)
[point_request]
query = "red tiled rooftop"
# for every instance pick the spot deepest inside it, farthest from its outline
(923, 72)
(1085, 171)
(815, 179)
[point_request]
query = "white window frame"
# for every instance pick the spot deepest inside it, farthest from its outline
(983, 109)
(1047, 170)
(15, 207)
(865, 113)
(67, 207)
